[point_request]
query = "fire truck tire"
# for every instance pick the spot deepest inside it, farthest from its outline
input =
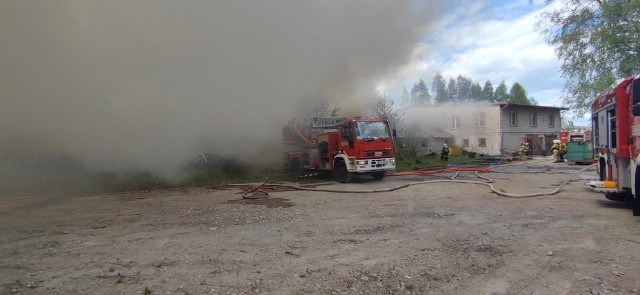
(379, 175)
(340, 173)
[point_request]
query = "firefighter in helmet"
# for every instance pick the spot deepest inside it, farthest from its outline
(524, 149)
(562, 152)
(444, 153)
(555, 149)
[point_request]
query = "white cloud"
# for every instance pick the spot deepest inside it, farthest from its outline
(484, 41)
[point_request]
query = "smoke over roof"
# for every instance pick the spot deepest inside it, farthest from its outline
(148, 83)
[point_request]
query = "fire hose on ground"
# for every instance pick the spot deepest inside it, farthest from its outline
(264, 187)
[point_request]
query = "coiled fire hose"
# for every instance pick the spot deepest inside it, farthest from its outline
(488, 182)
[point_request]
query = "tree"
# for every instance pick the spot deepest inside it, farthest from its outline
(487, 92)
(476, 92)
(518, 94)
(386, 109)
(420, 93)
(439, 88)
(464, 86)
(405, 99)
(598, 41)
(452, 91)
(501, 94)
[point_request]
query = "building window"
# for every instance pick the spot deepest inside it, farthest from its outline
(479, 119)
(482, 142)
(455, 122)
(551, 121)
(533, 119)
(465, 142)
(513, 119)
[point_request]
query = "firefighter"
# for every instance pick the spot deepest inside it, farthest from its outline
(524, 149)
(444, 154)
(555, 149)
(562, 152)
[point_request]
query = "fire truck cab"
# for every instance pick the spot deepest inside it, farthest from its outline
(616, 138)
(343, 146)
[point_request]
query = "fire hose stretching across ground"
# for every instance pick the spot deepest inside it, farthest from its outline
(262, 188)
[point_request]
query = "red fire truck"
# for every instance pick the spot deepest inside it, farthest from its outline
(616, 140)
(342, 145)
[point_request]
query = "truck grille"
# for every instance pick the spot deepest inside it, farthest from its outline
(381, 153)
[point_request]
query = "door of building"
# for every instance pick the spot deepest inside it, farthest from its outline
(534, 144)
(548, 142)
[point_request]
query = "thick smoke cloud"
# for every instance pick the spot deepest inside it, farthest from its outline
(150, 83)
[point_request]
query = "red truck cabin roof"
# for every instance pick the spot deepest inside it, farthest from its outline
(609, 96)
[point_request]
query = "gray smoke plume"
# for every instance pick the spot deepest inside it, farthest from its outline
(149, 84)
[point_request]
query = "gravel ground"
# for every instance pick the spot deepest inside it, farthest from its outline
(432, 238)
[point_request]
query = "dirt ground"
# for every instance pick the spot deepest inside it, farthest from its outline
(433, 238)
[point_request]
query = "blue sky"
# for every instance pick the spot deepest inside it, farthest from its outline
(485, 40)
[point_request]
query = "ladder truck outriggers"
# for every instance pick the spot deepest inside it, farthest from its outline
(344, 146)
(616, 138)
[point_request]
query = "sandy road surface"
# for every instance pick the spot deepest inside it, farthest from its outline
(426, 239)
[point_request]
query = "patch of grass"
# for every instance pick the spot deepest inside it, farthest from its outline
(405, 161)
(57, 175)
(130, 181)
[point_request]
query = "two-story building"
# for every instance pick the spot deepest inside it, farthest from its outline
(491, 128)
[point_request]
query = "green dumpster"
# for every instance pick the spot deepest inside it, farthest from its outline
(579, 152)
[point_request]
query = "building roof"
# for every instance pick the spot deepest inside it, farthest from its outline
(437, 133)
(499, 104)
(531, 106)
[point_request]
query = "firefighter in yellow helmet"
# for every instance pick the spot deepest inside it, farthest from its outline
(524, 151)
(555, 148)
(562, 152)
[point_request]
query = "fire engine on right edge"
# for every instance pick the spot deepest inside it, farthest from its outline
(616, 138)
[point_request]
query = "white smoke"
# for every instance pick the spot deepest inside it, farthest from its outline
(149, 83)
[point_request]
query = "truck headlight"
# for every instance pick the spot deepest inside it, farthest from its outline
(361, 162)
(392, 161)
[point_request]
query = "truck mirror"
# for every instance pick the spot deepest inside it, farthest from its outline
(393, 133)
(636, 110)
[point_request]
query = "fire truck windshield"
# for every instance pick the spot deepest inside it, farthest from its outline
(372, 130)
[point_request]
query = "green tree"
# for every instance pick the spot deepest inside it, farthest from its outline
(464, 86)
(598, 41)
(452, 91)
(501, 95)
(476, 92)
(487, 92)
(420, 93)
(518, 94)
(439, 88)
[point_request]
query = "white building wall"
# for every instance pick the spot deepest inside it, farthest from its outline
(467, 129)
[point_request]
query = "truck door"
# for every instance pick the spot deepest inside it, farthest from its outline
(347, 140)
(613, 139)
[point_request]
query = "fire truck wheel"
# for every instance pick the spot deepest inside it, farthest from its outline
(379, 175)
(341, 173)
